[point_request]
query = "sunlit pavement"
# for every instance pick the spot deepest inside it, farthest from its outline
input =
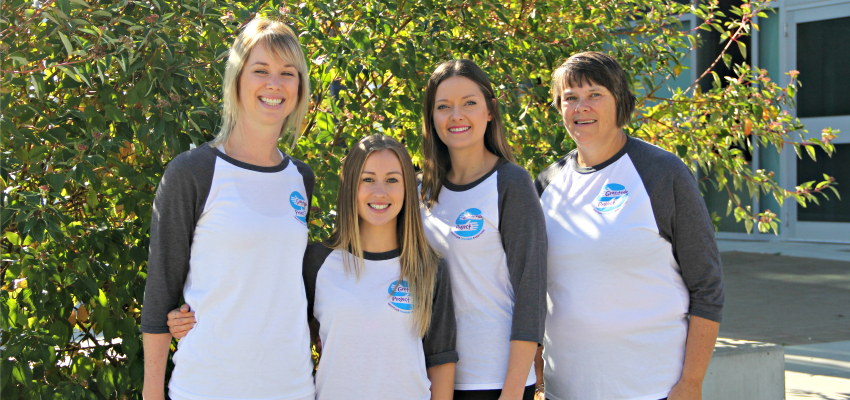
(797, 295)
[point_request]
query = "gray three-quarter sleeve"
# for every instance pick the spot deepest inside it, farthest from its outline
(314, 257)
(546, 176)
(309, 183)
(523, 231)
(683, 220)
(439, 342)
(180, 200)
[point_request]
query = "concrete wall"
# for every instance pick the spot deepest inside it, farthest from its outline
(745, 370)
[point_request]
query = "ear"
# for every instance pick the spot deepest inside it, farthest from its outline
(489, 114)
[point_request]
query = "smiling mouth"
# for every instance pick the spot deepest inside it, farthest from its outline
(271, 102)
(459, 130)
(379, 206)
(585, 122)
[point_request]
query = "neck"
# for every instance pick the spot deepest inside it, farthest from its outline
(378, 239)
(470, 164)
(254, 145)
(597, 153)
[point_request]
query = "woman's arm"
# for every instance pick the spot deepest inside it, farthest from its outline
(519, 363)
(702, 334)
(442, 379)
(156, 346)
(523, 231)
(538, 370)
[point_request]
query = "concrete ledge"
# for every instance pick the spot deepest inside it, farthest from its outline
(745, 370)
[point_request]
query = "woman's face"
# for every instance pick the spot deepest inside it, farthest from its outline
(380, 194)
(460, 113)
(589, 113)
(268, 89)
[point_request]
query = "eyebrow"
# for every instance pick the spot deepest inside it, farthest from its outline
(388, 173)
(267, 64)
(592, 89)
(464, 97)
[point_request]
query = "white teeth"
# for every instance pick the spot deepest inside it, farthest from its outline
(458, 129)
(271, 102)
(585, 122)
(379, 206)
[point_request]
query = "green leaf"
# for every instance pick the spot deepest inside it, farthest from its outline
(56, 182)
(60, 331)
(68, 48)
(114, 113)
(811, 151)
(743, 48)
(105, 381)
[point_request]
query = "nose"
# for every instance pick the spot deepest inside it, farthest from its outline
(274, 82)
(379, 190)
(581, 105)
(456, 114)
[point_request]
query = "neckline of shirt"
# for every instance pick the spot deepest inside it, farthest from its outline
(387, 255)
(599, 167)
(461, 188)
(284, 162)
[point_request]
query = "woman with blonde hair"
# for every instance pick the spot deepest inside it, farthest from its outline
(228, 234)
(380, 294)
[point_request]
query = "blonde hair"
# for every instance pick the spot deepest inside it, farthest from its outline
(437, 161)
(419, 261)
(282, 43)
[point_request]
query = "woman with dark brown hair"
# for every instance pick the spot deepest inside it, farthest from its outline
(481, 212)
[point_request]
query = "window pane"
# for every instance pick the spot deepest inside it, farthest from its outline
(838, 167)
(823, 54)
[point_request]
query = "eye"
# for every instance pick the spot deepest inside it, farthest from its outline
(260, 71)
(471, 103)
(368, 180)
(595, 94)
(569, 98)
(442, 107)
(288, 74)
(392, 180)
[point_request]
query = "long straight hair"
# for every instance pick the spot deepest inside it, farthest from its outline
(282, 43)
(437, 161)
(419, 261)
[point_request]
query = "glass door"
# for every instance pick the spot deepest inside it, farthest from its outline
(818, 44)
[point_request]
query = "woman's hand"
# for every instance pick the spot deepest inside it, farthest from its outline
(685, 390)
(180, 321)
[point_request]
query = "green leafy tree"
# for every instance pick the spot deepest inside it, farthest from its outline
(97, 97)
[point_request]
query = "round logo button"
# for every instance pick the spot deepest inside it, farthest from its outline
(400, 300)
(611, 198)
(300, 206)
(469, 225)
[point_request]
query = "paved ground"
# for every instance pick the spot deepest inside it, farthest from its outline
(797, 295)
(785, 300)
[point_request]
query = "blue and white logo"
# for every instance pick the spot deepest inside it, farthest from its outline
(611, 198)
(469, 225)
(400, 300)
(300, 205)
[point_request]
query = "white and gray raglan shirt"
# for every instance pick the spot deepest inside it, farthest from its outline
(631, 254)
(493, 237)
(229, 238)
(370, 346)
